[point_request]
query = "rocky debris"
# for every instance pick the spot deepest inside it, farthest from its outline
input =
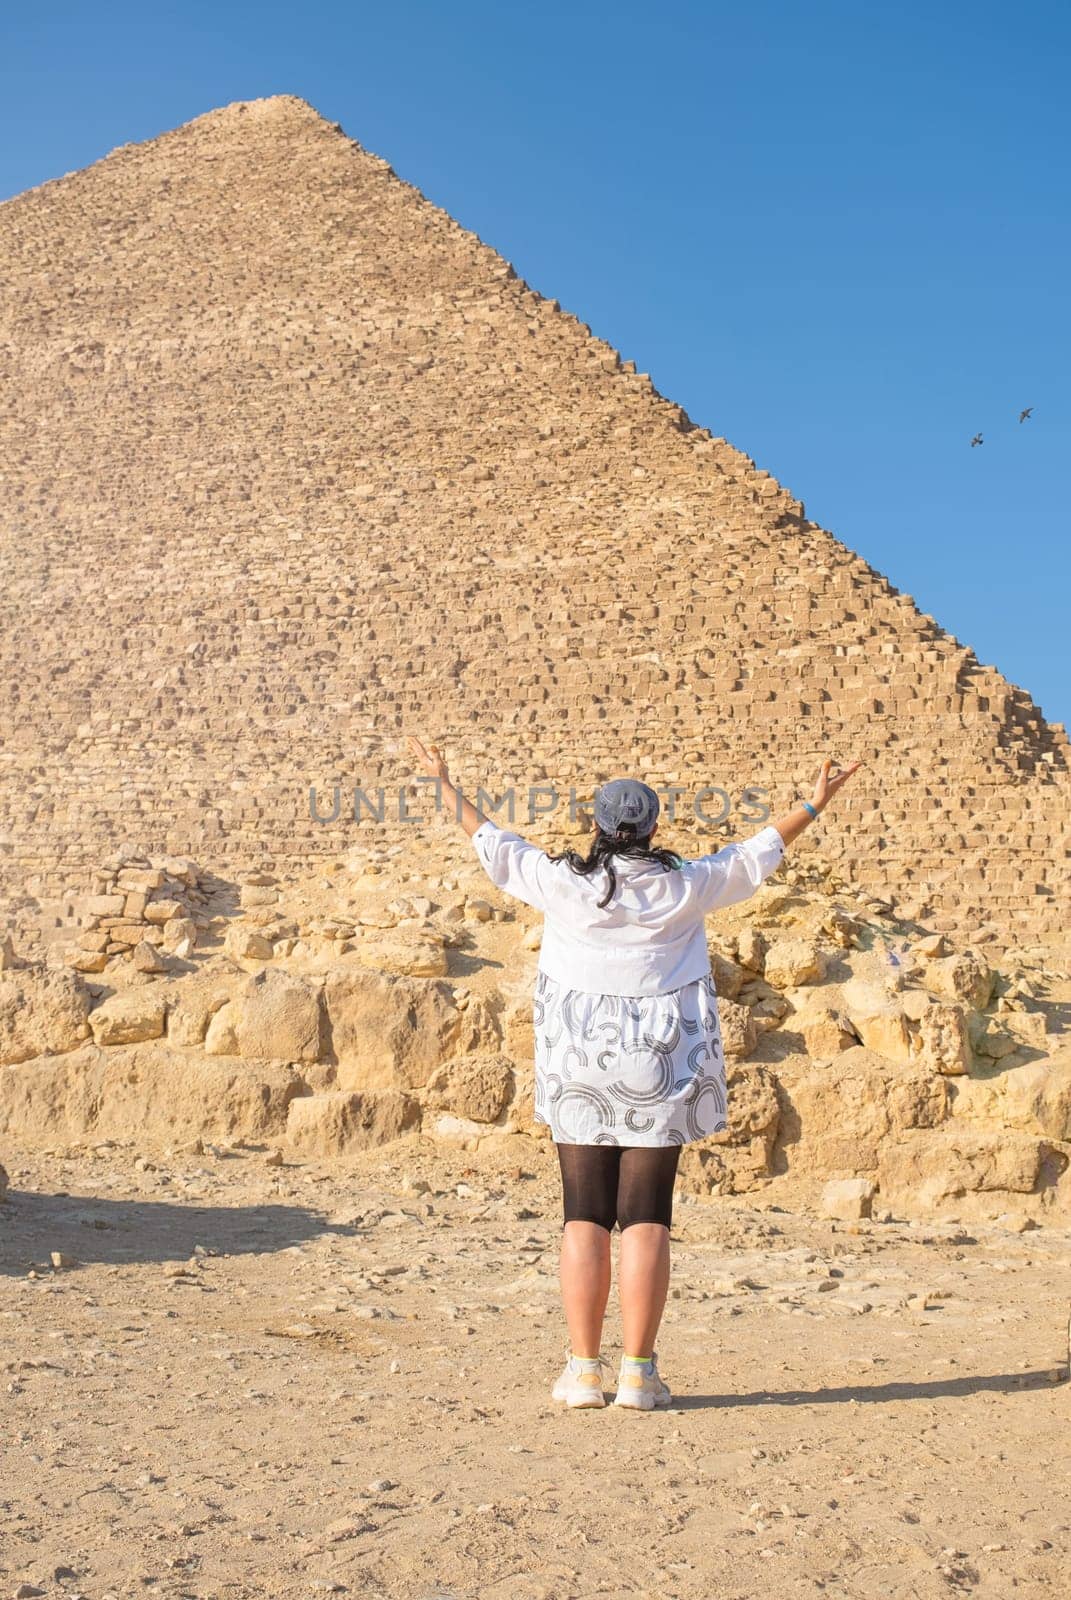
(843, 1034)
(9, 961)
(140, 900)
(42, 1009)
(751, 947)
(4, 1183)
(877, 1018)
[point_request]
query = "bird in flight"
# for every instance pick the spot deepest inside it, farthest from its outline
(976, 440)
(1024, 414)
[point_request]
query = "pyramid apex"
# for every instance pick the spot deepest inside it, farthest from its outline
(268, 109)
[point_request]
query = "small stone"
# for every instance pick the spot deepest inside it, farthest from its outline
(147, 958)
(61, 1261)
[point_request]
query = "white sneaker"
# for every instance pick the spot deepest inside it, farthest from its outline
(581, 1382)
(641, 1388)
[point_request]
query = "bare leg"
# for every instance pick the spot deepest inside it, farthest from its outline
(585, 1284)
(643, 1283)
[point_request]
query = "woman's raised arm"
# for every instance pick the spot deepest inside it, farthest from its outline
(830, 779)
(435, 767)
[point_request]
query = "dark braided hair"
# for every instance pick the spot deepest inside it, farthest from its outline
(622, 843)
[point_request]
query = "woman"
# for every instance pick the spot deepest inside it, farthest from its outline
(628, 1055)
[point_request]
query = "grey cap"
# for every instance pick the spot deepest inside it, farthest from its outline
(626, 800)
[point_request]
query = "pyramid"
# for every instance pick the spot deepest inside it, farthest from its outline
(293, 464)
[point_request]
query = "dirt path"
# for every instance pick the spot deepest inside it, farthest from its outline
(346, 1389)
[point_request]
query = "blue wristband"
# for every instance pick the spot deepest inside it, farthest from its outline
(806, 804)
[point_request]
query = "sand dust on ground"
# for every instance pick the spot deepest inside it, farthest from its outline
(333, 1377)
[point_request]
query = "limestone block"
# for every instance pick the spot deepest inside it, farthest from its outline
(147, 958)
(988, 1041)
(42, 1010)
(162, 910)
(461, 1131)
(844, 1110)
(278, 1017)
(828, 1031)
(105, 905)
(140, 880)
(90, 961)
(1033, 1098)
(965, 977)
(729, 978)
(476, 1087)
(194, 1001)
(942, 1040)
(878, 1018)
(129, 1017)
(180, 930)
(392, 1032)
(415, 958)
(847, 1198)
(245, 944)
(739, 1030)
(844, 929)
(221, 1034)
(956, 1160)
(154, 1091)
(792, 962)
(258, 894)
(751, 947)
(331, 1123)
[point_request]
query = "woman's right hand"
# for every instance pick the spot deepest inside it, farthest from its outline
(430, 759)
(830, 779)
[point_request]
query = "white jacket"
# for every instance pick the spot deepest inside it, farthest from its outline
(650, 938)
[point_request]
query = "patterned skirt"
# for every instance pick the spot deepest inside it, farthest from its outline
(628, 1069)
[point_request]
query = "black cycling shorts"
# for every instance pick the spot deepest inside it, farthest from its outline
(608, 1183)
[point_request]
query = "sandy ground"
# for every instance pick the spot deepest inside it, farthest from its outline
(316, 1378)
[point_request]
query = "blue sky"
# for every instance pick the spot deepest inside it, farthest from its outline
(836, 232)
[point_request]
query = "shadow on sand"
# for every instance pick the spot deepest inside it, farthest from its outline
(96, 1230)
(881, 1393)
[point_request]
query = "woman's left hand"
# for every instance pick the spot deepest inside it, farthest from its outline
(430, 759)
